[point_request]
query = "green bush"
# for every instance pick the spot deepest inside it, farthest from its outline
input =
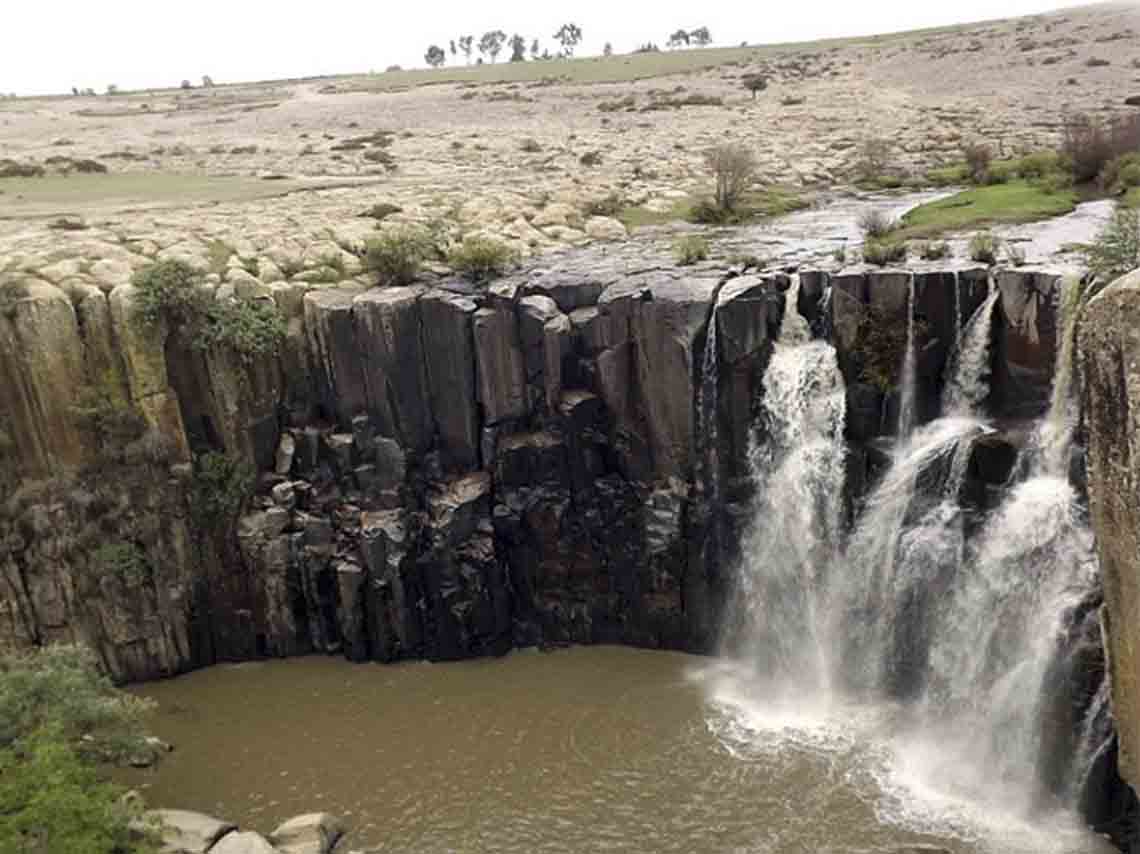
(169, 292)
(481, 258)
(250, 327)
(123, 560)
(884, 251)
(54, 802)
(932, 250)
(1039, 164)
(1121, 173)
(690, 249)
(219, 489)
(382, 210)
(1052, 183)
(984, 247)
(945, 176)
(707, 212)
(59, 688)
(395, 256)
(59, 717)
(998, 173)
(1116, 250)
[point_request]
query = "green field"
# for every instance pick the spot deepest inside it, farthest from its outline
(55, 195)
(981, 207)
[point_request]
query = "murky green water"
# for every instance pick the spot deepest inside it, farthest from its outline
(592, 749)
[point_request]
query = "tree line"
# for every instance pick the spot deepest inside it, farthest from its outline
(569, 36)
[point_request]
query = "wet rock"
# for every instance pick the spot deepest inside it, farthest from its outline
(1026, 343)
(185, 832)
(314, 833)
(286, 449)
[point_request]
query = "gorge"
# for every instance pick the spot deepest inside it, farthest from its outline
(864, 488)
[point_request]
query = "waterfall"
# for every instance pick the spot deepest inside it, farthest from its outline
(968, 386)
(909, 370)
(777, 622)
(957, 314)
(1056, 432)
(965, 632)
(709, 434)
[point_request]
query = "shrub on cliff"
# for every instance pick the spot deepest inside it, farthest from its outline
(884, 251)
(395, 256)
(169, 292)
(219, 489)
(1116, 250)
(174, 293)
(59, 718)
(983, 248)
(481, 258)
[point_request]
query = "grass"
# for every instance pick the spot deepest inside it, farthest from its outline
(1015, 202)
(757, 205)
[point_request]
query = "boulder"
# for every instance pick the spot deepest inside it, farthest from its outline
(186, 832)
(314, 833)
(244, 842)
(605, 228)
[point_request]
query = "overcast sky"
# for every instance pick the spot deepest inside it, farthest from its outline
(52, 45)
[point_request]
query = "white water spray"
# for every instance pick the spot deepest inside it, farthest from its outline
(968, 386)
(907, 390)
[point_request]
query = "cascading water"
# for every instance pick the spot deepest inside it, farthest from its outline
(798, 466)
(964, 632)
(907, 386)
(709, 432)
(968, 386)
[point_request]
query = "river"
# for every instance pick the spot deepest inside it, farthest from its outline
(584, 749)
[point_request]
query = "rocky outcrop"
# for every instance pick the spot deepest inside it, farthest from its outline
(1109, 354)
(186, 832)
(438, 471)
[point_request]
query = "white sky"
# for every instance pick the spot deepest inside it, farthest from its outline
(52, 45)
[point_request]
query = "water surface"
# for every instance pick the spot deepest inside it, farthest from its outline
(586, 749)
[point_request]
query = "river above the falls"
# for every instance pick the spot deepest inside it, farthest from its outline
(584, 749)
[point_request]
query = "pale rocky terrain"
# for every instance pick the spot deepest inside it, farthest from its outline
(457, 147)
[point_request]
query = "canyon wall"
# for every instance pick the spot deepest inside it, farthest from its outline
(442, 470)
(1109, 357)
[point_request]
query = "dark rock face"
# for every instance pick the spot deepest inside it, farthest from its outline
(445, 471)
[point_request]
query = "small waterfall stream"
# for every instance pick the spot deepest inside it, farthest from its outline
(907, 386)
(968, 385)
(962, 632)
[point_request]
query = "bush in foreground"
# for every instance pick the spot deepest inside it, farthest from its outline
(884, 251)
(60, 718)
(1116, 250)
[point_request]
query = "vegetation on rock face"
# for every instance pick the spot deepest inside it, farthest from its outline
(481, 258)
(123, 560)
(690, 249)
(219, 488)
(60, 718)
(174, 293)
(1116, 250)
(104, 410)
